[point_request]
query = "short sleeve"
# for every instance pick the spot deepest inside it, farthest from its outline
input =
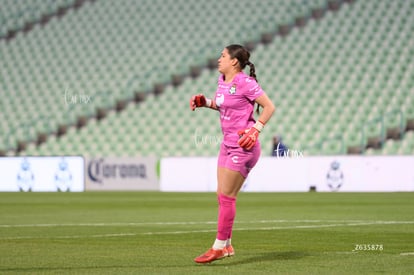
(252, 89)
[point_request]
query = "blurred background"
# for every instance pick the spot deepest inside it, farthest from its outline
(113, 78)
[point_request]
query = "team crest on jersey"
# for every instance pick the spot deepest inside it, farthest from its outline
(232, 90)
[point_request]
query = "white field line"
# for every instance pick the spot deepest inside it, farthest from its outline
(195, 223)
(407, 254)
(100, 224)
(214, 230)
(285, 227)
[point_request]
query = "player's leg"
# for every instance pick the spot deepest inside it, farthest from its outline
(234, 164)
(230, 179)
(226, 211)
(229, 184)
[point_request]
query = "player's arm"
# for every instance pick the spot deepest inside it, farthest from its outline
(200, 100)
(268, 108)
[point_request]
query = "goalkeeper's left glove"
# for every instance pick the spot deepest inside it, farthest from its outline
(248, 137)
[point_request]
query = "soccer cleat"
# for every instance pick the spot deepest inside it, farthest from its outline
(211, 255)
(230, 250)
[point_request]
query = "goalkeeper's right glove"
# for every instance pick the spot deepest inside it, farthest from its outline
(199, 101)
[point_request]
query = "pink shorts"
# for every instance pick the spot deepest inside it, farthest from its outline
(238, 159)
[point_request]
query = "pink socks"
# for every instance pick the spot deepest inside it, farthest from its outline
(226, 214)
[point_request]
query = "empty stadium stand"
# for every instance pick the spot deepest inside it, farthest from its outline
(114, 77)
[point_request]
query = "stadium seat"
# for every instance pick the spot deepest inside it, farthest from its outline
(329, 78)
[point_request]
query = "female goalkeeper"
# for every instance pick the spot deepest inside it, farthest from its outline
(235, 97)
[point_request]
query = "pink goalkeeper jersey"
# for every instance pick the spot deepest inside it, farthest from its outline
(235, 102)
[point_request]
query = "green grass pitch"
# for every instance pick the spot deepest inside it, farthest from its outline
(161, 233)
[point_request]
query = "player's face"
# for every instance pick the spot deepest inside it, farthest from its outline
(225, 62)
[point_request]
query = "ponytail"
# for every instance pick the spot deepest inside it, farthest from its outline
(252, 70)
(253, 74)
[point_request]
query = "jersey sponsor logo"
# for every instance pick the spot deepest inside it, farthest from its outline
(224, 117)
(232, 90)
(219, 99)
(235, 159)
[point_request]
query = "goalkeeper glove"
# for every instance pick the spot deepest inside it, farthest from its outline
(248, 137)
(199, 101)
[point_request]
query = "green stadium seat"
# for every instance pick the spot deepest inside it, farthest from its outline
(327, 79)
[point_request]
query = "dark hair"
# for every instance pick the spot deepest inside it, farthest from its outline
(242, 55)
